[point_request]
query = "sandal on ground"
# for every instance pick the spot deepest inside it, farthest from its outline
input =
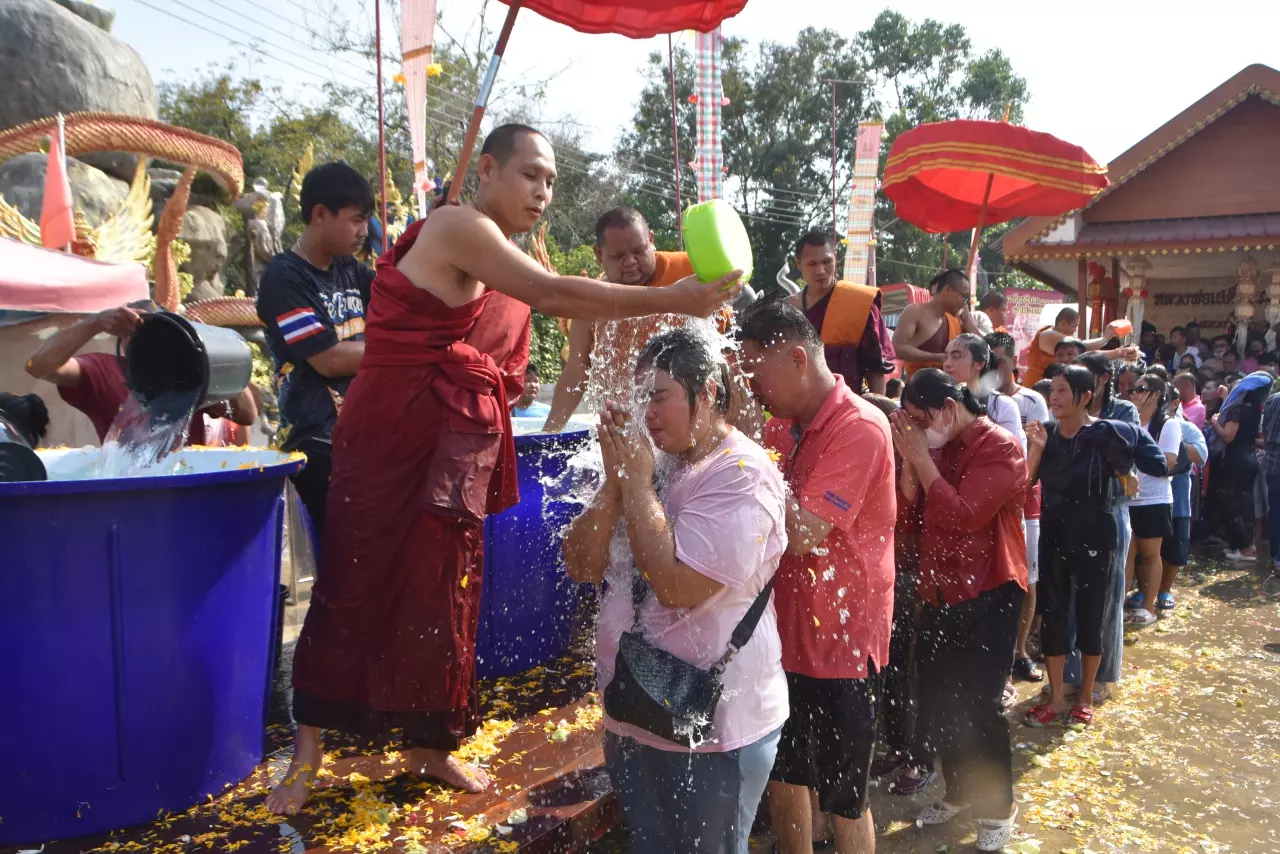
(889, 762)
(1239, 556)
(1164, 602)
(1025, 668)
(916, 778)
(1082, 715)
(939, 812)
(1040, 716)
(1139, 619)
(995, 833)
(1009, 698)
(1135, 601)
(1102, 693)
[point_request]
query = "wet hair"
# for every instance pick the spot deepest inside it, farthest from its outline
(948, 278)
(1003, 340)
(532, 369)
(779, 322)
(501, 142)
(690, 361)
(992, 299)
(893, 388)
(28, 415)
(930, 389)
(1100, 367)
(1079, 379)
(1158, 371)
(887, 405)
(336, 186)
(1052, 369)
(1066, 314)
(978, 351)
(620, 217)
(1070, 342)
(816, 237)
(1043, 387)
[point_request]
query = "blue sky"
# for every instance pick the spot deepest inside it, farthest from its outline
(1101, 74)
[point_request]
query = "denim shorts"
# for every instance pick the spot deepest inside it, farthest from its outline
(694, 803)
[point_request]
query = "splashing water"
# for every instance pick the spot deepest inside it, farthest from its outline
(143, 435)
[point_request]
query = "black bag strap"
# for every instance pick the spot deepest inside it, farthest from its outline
(741, 633)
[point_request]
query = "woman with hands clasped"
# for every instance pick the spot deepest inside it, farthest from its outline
(681, 565)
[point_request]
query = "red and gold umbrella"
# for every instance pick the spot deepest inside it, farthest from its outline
(957, 175)
(636, 19)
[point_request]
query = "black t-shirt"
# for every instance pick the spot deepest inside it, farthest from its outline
(1065, 476)
(306, 311)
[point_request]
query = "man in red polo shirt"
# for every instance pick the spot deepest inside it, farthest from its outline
(834, 588)
(94, 383)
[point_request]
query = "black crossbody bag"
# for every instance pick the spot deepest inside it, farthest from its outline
(665, 695)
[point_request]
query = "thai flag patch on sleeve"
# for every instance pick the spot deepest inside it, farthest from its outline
(299, 324)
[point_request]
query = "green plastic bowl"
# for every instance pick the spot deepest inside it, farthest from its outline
(716, 241)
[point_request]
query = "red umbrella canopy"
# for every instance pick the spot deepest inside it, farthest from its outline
(937, 174)
(637, 19)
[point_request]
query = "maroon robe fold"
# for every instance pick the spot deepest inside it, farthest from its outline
(422, 451)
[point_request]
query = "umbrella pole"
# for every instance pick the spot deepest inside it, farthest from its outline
(973, 243)
(482, 101)
(675, 136)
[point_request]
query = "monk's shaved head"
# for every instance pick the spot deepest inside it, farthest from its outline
(501, 142)
(620, 217)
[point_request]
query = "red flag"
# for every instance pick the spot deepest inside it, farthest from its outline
(57, 220)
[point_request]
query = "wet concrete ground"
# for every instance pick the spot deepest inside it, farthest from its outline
(1184, 758)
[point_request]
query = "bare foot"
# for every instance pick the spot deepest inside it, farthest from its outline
(288, 796)
(448, 769)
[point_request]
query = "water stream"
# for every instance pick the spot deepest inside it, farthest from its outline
(143, 436)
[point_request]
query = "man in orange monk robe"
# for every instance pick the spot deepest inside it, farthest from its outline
(602, 355)
(925, 329)
(422, 451)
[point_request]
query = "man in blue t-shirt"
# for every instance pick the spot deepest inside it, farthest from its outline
(312, 301)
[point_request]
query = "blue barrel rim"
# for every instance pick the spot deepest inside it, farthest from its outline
(535, 440)
(272, 471)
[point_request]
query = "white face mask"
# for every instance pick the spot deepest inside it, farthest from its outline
(938, 435)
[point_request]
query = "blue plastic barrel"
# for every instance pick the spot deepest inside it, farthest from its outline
(528, 602)
(137, 619)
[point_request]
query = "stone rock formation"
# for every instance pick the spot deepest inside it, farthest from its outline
(96, 15)
(204, 230)
(96, 194)
(62, 63)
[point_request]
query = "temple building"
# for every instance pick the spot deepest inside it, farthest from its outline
(1190, 225)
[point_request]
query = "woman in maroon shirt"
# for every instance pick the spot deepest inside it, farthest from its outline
(971, 477)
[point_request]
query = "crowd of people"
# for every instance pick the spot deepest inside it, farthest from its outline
(814, 571)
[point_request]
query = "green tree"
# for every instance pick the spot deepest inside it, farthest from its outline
(777, 130)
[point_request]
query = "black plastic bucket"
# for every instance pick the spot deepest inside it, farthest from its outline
(17, 461)
(169, 354)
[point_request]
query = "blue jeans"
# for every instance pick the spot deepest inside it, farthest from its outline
(1273, 512)
(700, 803)
(1113, 622)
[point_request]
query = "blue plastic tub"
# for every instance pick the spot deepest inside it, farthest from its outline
(528, 602)
(137, 619)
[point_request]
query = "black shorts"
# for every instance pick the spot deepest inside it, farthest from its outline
(829, 740)
(1151, 521)
(1176, 550)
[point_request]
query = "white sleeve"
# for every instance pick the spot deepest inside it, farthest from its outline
(1039, 410)
(1170, 436)
(1004, 412)
(983, 322)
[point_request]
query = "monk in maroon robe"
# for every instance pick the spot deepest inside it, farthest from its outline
(422, 452)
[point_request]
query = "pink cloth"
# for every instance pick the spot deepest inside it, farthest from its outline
(35, 279)
(729, 520)
(1194, 412)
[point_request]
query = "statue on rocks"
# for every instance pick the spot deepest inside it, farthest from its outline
(263, 212)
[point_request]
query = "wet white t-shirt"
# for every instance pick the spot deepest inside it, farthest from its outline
(1159, 490)
(728, 517)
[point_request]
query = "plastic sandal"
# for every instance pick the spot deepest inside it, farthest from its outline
(995, 833)
(1009, 698)
(1134, 602)
(939, 812)
(1041, 716)
(1025, 668)
(1080, 715)
(916, 778)
(1139, 619)
(1164, 602)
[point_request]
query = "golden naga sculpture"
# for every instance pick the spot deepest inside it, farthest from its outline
(126, 235)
